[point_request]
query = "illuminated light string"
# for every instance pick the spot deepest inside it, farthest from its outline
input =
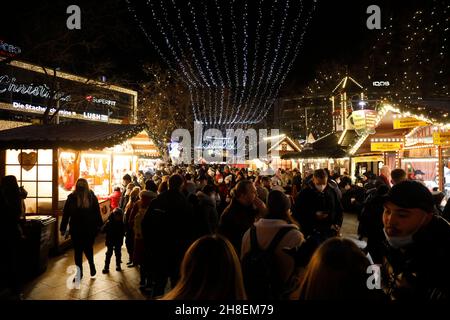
(235, 56)
(193, 83)
(245, 64)
(199, 70)
(264, 61)
(286, 72)
(282, 71)
(255, 54)
(188, 40)
(225, 59)
(232, 99)
(158, 50)
(196, 81)
(287, 51)
(217, 67)
(280, 36)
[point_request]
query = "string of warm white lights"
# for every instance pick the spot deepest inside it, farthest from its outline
(287, 51)
(237, 86)
(264, 60)
(277, 50)
(285, 72)
(216, 64)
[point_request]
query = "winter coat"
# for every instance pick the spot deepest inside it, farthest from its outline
(235, 221)
(265, 231)
(309, 201)
(115, 231)
(83, 222)
(167, 228)
(423, 266)
(207, 213)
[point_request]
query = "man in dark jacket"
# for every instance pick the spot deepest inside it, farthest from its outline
(167, 229)
(243, 210)
(318, 208)
(416, 260)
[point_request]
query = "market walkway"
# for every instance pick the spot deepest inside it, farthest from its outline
(53, 283)
(124, 285)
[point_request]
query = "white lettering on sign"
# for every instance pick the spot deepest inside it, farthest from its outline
(380, 83)
(42, 90)
(61, 112)
(101, 100)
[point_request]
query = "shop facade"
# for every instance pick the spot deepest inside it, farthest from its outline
(47, 160)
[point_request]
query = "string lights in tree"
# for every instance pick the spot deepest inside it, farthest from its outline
(233, 65)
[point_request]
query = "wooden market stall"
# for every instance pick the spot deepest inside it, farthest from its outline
(47, 160)
(325, 152)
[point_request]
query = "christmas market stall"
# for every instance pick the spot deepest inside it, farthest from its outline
(281, 145)
(324, 152)
(414, 138)
(47, 160)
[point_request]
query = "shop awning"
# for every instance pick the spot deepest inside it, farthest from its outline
(325, 147)
(78, 136)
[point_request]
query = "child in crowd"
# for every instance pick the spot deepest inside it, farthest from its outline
(115, 231)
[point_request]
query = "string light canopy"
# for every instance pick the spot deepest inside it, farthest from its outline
(233, 55)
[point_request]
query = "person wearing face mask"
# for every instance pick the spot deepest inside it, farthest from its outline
(416, 257)
(318, 208)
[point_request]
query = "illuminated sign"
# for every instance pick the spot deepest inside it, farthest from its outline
(364, 119)
(380, 83)
(9, 84)
(63, 113)
(8, 50)
(367, 159)
(441, 138)
(385, 146)
(408, 122)
(100, 100)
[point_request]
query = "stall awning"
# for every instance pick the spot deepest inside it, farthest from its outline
(78, 136)
(325, 147)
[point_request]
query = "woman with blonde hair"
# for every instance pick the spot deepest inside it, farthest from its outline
(82, 213)
(337, 271)
(210, 271)
(129, 224)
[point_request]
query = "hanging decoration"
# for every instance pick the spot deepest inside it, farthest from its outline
(232, 55)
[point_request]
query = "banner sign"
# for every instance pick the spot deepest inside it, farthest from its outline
(441, 138)
(404, 123)
(385, 146)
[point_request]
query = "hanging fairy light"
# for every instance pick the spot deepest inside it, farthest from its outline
(237, 85)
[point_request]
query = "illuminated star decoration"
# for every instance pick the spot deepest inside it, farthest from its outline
(233, 55)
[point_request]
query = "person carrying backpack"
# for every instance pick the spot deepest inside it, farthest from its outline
(266, 267)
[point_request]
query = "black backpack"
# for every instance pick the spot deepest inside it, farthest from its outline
(259, 269)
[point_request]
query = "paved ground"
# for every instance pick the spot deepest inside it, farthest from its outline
(54, 283)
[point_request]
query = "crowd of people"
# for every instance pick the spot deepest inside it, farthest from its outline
(217, 232)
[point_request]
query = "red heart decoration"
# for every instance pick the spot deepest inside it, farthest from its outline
(27, 160)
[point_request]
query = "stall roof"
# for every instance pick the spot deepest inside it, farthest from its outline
(325, 147)
(78, 136)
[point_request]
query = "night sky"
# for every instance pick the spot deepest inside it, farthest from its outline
(337, 33)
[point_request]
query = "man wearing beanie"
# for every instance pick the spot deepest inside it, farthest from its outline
(416, 259)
